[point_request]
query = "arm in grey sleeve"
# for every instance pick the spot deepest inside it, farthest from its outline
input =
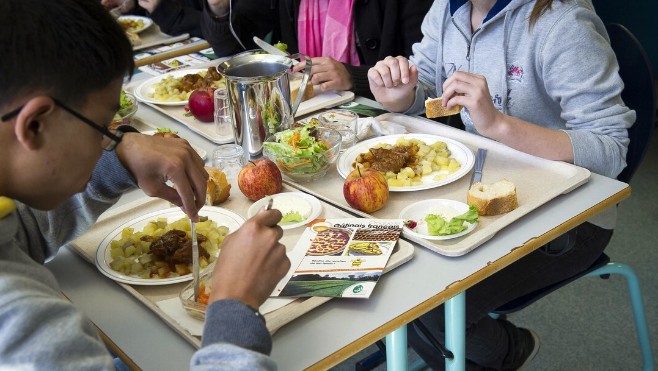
(428, 58)
(234, 337)
(588, 90)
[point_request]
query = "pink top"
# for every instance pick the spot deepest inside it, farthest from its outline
(326, 28)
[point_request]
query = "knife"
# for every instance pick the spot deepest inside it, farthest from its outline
(195, 260)
(269, 48)
(479, 164)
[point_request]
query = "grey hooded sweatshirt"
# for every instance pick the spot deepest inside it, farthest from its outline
(41, 330)
(561, 73)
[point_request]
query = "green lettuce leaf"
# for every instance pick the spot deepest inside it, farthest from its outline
(292, 217)
(439, 226)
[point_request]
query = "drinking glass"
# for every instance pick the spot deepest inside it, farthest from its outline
(230, 159)
(223, 122)
(344, 122)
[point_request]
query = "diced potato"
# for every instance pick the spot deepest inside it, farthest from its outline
(440, 160)
(136, 268)
(116, 252)
(127, 232)
(130, 250)
(453, 165)
(427, 169)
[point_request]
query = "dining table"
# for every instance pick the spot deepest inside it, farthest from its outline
(339, 328)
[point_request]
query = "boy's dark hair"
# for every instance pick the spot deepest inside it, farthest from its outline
(65, 48)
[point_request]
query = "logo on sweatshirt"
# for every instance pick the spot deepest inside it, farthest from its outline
(515, 73)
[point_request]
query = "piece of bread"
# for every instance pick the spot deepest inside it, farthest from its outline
(294, 90)
(434, 108)
(493, 199)
(218, 188)
(134, 38)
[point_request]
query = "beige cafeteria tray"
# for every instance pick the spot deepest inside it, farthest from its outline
(207, 130)
(537, 181)
(88, 244)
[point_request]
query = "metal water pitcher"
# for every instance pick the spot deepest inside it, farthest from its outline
(260, 96)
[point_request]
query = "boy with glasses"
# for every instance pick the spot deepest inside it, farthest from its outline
(59, 90)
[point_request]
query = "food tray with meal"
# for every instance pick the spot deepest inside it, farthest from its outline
(169, 93)
(534, 181)
(144, 33)
(124, 228)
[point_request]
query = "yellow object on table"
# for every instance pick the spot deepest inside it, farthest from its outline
(7, 206)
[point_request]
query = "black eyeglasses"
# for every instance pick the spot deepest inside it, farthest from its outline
(110, 140)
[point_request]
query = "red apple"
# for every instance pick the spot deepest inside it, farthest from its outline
(366, 189)
(259, 178)
(202, 104)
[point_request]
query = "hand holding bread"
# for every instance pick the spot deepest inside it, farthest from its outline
(434, 108)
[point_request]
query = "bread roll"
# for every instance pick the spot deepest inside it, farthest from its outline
(434, 108)
(493, 199)
(134, 38)
(294, 89)
(218, 188)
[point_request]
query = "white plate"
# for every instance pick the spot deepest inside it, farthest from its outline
(419, 210)
(103, 258)
(147, 21)
(200, 151)
(290, 201)
(146, 89)
(458, 151)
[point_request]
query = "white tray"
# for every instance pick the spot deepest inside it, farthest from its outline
(207, 130)
(537, 182)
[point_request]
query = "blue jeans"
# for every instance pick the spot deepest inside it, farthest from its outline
(497, 344)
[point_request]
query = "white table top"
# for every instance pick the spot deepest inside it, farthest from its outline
(341, 326)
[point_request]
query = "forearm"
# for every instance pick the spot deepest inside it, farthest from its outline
(531, 138)
(175, 19)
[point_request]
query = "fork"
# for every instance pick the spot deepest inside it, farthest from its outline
(195, 260)
(116, 12)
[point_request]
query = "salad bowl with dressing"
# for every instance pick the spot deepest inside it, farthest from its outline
(305, 153)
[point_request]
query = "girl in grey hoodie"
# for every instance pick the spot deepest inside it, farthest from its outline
(539, 76)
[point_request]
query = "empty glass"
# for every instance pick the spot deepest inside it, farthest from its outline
(229, 158)
(345, 122)
(223, 126)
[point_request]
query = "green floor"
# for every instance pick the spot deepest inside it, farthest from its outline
(588, 325)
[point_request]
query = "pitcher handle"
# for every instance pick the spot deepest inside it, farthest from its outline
(307, 75)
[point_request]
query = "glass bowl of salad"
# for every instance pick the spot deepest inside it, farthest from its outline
(305, 153)
(127, 108)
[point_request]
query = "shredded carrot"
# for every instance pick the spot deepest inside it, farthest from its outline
(294, 140)
(298, 163)
(203, 295)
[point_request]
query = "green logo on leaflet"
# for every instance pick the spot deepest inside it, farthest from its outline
(357, 289)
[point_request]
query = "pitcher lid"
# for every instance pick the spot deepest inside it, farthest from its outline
(254, 64)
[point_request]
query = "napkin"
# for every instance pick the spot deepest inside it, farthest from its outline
(368, 127)
(174, 309)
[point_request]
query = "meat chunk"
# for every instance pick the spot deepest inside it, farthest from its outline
(392, 159)
(174, 247)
